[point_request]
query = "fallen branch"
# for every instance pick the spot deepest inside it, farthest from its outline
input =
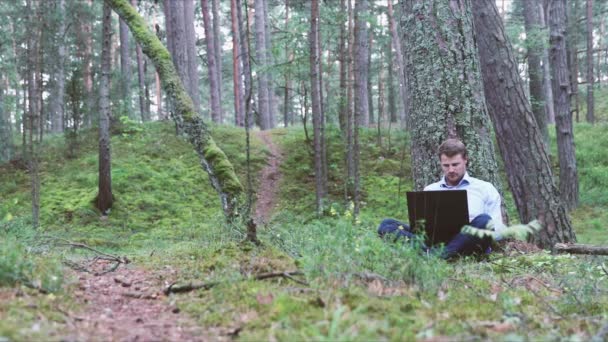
(117, 260)
(181, 288)
(577, 248)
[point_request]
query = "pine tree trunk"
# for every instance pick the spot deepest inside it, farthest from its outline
(402, 75)
(221, 172)
(125, 67)
(572, 55)
(6, 133)
(33, 41)
(87, 73)
(245, 60)
(218, 50)
(350, 117)
(237, 80)
(191, 55)
(104, 196)
(260, 46)
(269, 63)
(590, 78)
(315, 87)
(549, 109)
(141, 75)
(370, 93)
(56, 100)
(392, 106)
(214, 85)
(180, 44)
(519, 138)
(342, 104)
(286, 94)
(361, 66)
(534, 42)
(447, 91)
(568, 175)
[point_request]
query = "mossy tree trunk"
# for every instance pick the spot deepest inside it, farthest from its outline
(221, 172)
(446, 88)
(518, 135)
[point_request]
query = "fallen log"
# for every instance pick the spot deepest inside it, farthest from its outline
(577, 248)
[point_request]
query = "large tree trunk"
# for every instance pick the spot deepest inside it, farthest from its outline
(361, 64)
(214, 161)
(214, 85)
(590, 78)
(56, 100)
(524, 153)
(568, 177)
(315, 87)
(179, 42)
(104, 196)
(262, 72)
(125, 67)
(237, 79)
(534, 43)
(447, 91)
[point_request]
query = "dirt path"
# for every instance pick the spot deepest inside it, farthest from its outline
(270, 179)
(127, 305)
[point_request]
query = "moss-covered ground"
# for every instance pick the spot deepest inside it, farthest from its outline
(359, 287)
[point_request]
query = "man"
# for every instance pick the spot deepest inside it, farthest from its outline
(482, 197)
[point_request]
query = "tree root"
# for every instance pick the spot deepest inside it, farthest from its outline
(187, 287)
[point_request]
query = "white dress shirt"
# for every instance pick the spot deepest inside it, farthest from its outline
(482, 197)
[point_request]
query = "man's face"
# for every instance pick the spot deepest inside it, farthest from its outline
(453, 168)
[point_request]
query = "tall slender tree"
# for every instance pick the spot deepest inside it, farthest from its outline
(402, 75)
(534, 44)
(262, 70)
(214, 82)
(191, 55)
(125, 67)
(568, 174)
(315, 86)
(56, 100)
(141, 80)
(590, 76)
(237, 73)
(520, 140)
(104, 195)
(361, 63)
(6, 133)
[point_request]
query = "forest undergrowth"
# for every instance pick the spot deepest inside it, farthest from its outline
(347, 283)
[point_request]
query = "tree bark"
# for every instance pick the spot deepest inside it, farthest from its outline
(141, 75)
(218, 50)
(370, 94)
(56, 100)
(447, 91)
(6, 133)
(286, 94)
(33, 41)
(568, 175)
(237, 78)
(179, 42)
(245, 60)
(343, 105)
(590, 77)
(125, 67)
(262, 72)
(534, 44)
(214, 85)
(104, 196)
(315, 87)
(519, 138)
(87, 69)
(361, 65)
(549, 109)
(214, 161)
(402, 73)
(191, 55)
(269, 63)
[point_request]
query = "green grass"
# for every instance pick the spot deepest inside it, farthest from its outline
(360, 287)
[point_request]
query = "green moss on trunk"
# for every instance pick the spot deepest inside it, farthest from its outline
(221, 171)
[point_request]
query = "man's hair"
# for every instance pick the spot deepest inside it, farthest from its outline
(452, 147)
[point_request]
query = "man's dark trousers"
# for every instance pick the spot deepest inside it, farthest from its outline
(461, 244)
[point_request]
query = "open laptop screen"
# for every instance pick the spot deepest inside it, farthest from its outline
(443, 213)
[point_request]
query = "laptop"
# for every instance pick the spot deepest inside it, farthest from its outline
(443, 213)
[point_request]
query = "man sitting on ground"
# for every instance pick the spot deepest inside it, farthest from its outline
(482, 197)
